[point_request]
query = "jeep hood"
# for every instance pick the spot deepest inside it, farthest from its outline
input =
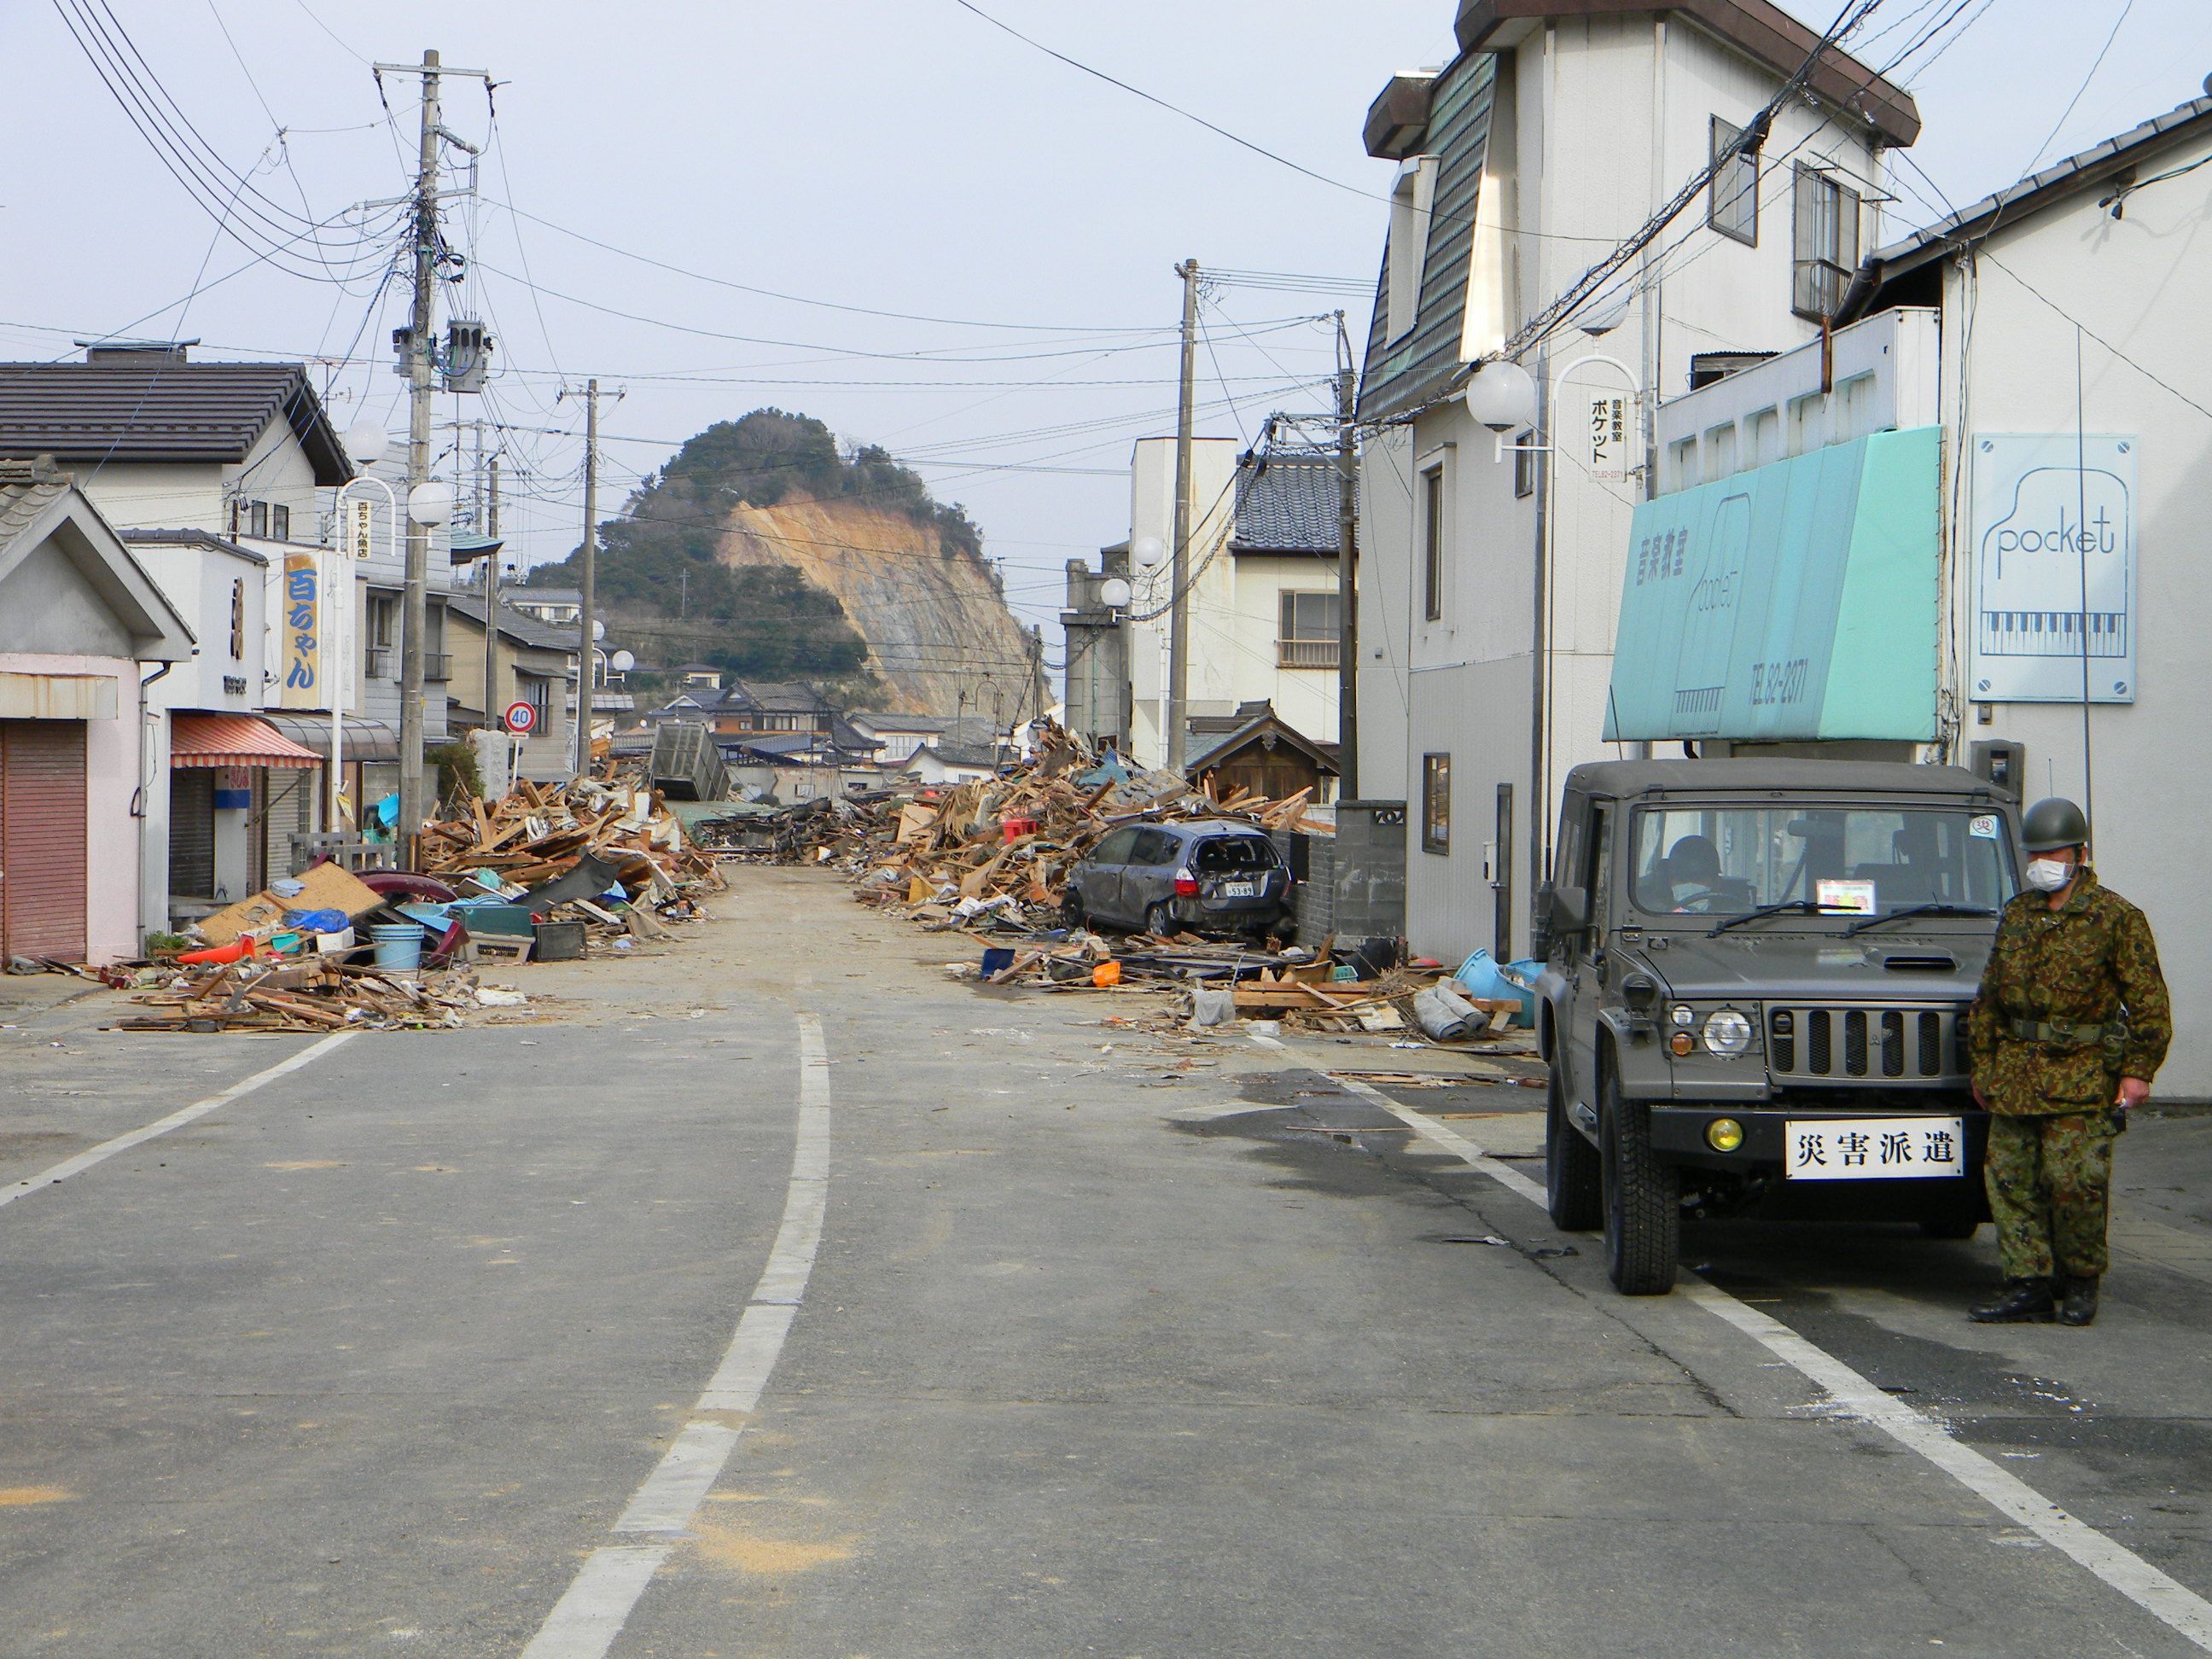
(1896, 963)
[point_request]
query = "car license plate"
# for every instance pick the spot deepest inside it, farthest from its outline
(1872, 1148)
(1237, 889)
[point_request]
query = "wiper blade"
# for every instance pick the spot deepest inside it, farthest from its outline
(1938, 909)
(1803, 907)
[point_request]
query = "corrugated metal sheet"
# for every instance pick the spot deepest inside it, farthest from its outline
(42, 839)
(291, 811)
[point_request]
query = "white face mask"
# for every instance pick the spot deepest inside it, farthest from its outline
(2048, 875)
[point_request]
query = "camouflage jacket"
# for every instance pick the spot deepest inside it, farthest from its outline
(2090, 963)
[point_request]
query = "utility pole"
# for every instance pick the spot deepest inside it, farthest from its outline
(491, 527)
(1347, 564)
(414, 618)
(587, 570)
(1179, 567)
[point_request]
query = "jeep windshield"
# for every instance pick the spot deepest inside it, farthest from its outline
(1840, 861)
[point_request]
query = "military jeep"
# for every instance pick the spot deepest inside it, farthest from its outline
(1754, 998)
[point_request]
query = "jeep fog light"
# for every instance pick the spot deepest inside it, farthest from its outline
(1682, 1015)
(1680, 1043)
(1728, 1032)
(1724, 1134)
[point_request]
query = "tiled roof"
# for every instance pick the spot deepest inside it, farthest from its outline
(162, 408)
(518, 625)
(23, 499)
(1291, 505)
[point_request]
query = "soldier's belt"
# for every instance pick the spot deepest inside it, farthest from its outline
(2054, 1030)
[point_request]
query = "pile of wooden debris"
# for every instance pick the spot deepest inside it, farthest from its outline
(997, 851)
(318, 995)
(537, 832)
(1410, 1001)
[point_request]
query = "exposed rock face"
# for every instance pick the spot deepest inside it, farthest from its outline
(936, 626)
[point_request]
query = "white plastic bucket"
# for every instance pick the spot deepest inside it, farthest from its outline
(399, 945)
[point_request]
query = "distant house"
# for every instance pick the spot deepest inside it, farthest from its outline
(556, 607)
(81, 624)
(530, 664)
(934, 764)
(698, 675)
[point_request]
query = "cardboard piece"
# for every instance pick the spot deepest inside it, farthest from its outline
(326, 887)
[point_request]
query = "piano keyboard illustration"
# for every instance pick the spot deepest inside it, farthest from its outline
(2052, 633)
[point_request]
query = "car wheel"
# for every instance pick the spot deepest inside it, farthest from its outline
(1642, 1198)
(1072, 913)
(1574, 1188)
(1159, 920)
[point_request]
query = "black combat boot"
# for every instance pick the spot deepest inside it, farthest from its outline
(2077, 1301)
(2025, 1301)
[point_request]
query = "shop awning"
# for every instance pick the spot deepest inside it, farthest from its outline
(364, 739)
(200, 740)
(1795, 601)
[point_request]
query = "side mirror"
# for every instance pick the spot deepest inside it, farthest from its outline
(1570, 910)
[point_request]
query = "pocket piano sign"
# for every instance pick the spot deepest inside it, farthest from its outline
(1872, 1148)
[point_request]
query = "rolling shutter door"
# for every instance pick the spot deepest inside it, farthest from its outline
(191, 833)
(290, 811)
(42, 839)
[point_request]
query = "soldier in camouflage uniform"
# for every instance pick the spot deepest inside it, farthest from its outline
(2068, 1029)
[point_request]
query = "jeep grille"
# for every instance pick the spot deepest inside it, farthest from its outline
(1845, 1045)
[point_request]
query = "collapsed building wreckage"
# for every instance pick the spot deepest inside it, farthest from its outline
(991, 859)
(557, 872)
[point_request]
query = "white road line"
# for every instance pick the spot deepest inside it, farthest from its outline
(585, 1621)
(176, 1119)
(1450, 1139)
(2173, 1604)
(679, 1484)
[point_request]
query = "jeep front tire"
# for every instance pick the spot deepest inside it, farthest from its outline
(1574, 1188)
(1643, 1197)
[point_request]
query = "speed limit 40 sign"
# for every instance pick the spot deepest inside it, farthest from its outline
(521, 717)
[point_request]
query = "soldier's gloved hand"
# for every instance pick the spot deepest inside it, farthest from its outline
(1980, 1099)
(2133, 1092)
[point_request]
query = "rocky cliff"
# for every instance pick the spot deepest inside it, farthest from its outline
(938, 634)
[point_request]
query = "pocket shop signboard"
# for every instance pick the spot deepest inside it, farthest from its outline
(2054, 573)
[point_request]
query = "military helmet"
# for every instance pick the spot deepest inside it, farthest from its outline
(2053, 824)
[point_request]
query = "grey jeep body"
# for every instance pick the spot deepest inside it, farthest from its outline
(1888, 1003)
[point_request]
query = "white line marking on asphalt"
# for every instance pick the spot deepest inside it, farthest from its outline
(585, 1622)
(176, 1119)
(677, 1487)
(1450, 1139)
(2170, 1602)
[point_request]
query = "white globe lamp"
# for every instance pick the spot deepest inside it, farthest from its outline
(1502, 395)
(366, 442)
(430, 502)
(1114, 593)
(622, 662)
(1150, 552)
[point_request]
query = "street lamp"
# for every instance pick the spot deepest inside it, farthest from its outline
(430, 502)
(366, 442)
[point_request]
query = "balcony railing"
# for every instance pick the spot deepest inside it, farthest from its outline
(437, 666)
(1307, 653)
(381, 662)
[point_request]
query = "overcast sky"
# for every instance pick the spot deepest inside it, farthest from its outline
(889, 156)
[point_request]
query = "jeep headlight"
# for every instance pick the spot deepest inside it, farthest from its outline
(1727, 1032)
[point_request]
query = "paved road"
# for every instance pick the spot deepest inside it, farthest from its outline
(1113, 1342)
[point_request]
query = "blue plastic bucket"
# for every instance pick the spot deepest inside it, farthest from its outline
(398, 946)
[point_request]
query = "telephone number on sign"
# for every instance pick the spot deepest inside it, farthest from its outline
(1778, 682)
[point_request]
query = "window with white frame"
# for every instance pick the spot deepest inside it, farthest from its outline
(1310, 631)
(1411, 199)
(1732, 199)
(1524, 465)
(1825, 243)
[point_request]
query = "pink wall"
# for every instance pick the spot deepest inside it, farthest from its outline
(112, 777)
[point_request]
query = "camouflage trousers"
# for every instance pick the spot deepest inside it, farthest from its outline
(2049, 1182)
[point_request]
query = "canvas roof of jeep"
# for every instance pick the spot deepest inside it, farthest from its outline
(1638, 777)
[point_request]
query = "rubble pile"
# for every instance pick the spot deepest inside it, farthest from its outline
(319, 995)
(541, 831)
